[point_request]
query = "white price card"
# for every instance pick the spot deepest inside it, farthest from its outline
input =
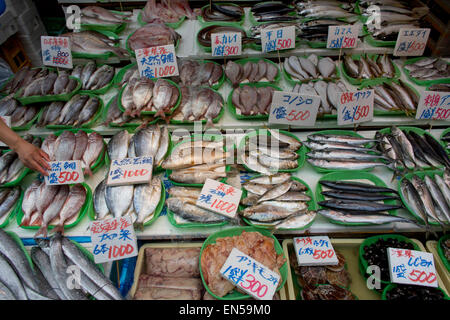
(56, 52)
(411, 41)
(315, 251)
(220, 198)
(64, 172)
(226, 44)
(278, 39)
(412, 267)
(130, 171)
(434, 105)
(7, 121)
(342, 37)
(294, 108)
(157, 62)
(113, 239)
(355, 107)
(250, 275)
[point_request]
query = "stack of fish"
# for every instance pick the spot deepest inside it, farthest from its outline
(269, 154)
(47, 82)
(204, 35)
(277, 201)
(392, 96)
(101, 16)
(152, 35)
(309, 68)
(57, 205)
(11, 167)
(342, 152)
(194, 161)
(8, 200)
(410, 150)
(19, 115)
(79, 110)
(443, 87)
(367, 68)
(194, 73)
(115, 115)
(250, 101)
(273, 11)
(446, 139)
(222, 12)
(91, 77)
(166, 11)
(250, 72)
(316, 30)
(429, 69)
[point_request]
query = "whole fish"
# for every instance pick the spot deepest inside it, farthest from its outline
(345, 164)
(87, 112)
(361, 196)
(180, 192)
(412, 197)
(11, 199)
(353, 186)
(100, 206)
(118, 145)
(270, 179)
(196, 177)
(53, 210)
(93, 150)
(163, 145)
(404, 143)
(438, 197)
(186, 208)
(297, 221)
(44, 197)
(72, 205)
(268, 213)
(373, 218)
(86, 73)
(276, 191)
(357, 205)
(343, 154)
(81, 142)
(256, 188)
(339, 139)
(64, 146)
(11, 280)
(145, 200)
(119, 199)
(426, 198)
(293, 143)
(445, 189)
(275, 164)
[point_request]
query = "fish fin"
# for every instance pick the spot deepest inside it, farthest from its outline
(42, 230)
(59, 228)
(88, 171)
(25, 222)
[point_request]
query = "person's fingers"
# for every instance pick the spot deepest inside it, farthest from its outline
(42, 163)
(33, 164)
(44, 155)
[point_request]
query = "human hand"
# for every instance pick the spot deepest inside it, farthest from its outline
(33, 157)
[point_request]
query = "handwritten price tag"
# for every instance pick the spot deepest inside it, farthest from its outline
(56, 52)
(250, 275)
(65, 172)
(315, 251)
(412, 267)
(342, 37)
(355, 107)
(157, 62)
(411, 42)
(226, 44)
(434, 105)
(294, 109)
(220, 198)
(113, 239)
(278, 39)
(130, 171)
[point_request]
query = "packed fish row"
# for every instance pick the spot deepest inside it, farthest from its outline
(93, 77)
(19, 115)
(369, 68)
(273, 11)
(250, 100)
(195, 73)
(153, 34)
(429, 69)
(250, 72)
(392, 96)
(47, 82)
(167, 11)
(8, 200)
(222, 12)
(309, 68)
(101, 16)
(115, 115)
(330, 9)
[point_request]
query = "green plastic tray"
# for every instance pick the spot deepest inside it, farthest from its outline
(394, 285)
(208, 49)
(446, 131)
(30, 123)
(422, 82)
(255, 60)
(441, 253)
(173, 25)
(293, 82)
(119, 75)
(102, 90)
(14, 210)
(204, 23)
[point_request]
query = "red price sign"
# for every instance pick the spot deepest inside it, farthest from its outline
(56, 52)
(278, 39)
(157, 62)
(342, 37)
(65, 172)
(130, 171)
(226, 44)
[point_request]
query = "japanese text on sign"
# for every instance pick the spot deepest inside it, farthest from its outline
(56, 52)
(412, 267)
(220, 198)
(411, 42)
(130, 171)
(294, 109)
(342, 37)
(226, 44)
(250, 275)
(312, 251)
(113, 239)
(355, 107)
(434, 105)
(157, 62)
(278, 39)
(64, 172)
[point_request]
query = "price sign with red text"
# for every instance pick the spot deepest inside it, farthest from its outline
(342, 37)
(250, 275)
(7, 121)
(64, 172)
(130, 171)
(411, 42)
(355, 107)
(434, 105)
(278, 39)
(294, 109)
(56, 52)
(226, 44)
(157, 62)
(220, 198)
(315, 251)
(412, 267)
(113, 239)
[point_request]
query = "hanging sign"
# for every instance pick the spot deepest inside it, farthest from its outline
(355, 107)
(294, 108)
(56, 52)
(226, 44)
(278, 39)
(130, 171)
(434, 105)
(64, 172)
(315, 251)
(411, 42)
(157, 62)
(342, 37)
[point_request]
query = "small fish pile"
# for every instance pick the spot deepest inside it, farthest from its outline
(93, 77)
(19, 115)
(168, 11)
(8, 200)
(326, 10)
(152, 35)
(369, 68)
(47, 82)
(250, 100)
(358, 202)
(273, 11)
(277, 201)
(51, 205)
(329, 93)
(204, 35)
(428, 69)
(222, 12)
(250, 72)
(316, 30)
(11, 167)
(101, 16)
(342, 152)
(195, 73)
(268, 154)
(309, 68)
(443, 87)
(395, 96)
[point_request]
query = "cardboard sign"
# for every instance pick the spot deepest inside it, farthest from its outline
(56, 52)
(278, 39)
(355, 107)
(220, 198)
(130, 171)
(411, 42)
(342, 37)
(434, 105)
(7, 121)
(113, 239)
(294, 108)
(64, 172)
(226, 44)
(412, 267)
(250, 275)
(315, 251)
(157, 62)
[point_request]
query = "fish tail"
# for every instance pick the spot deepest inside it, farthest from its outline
(42, 230)
(59, 228)
(25, 221)
(88, 171)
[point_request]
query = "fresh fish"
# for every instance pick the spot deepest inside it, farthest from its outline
(60, 83)
(343, 154)
(445, 189)
(186, 208)
(373, 218)
(339, 139)
(87, 112)
(163, 146)
(119, 199)
(293, 196)
(44, 197)
(297, 221)
(53, 210)
(264, 212)
(256, 188)
(64, 146)
(356, 205)
(11, 280)
(93, 150)
(100, 206)
(118, 145)
(11, 199)
(345, 164)
(72, 205)
(94, 43)
(269, 180)
(352, 186)
(197, 177)
(86, 74)
(360, 196)
(438, 197)
(426, 198)
(276, 191)
(180, 192)
(145, 200)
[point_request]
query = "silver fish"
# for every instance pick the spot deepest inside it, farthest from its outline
(276, 191)
(100, 206)
(186, 208)
(146, 199)
(297, 221)
(119, 199)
